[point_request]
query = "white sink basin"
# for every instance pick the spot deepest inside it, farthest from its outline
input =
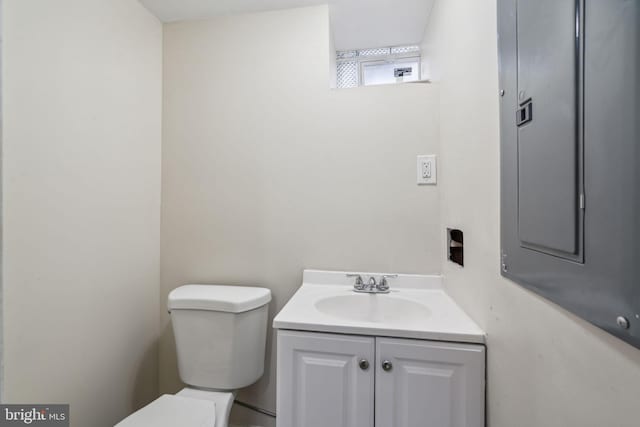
(377, 308)
(417, 307)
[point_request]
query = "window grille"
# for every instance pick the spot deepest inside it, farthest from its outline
(382, 65)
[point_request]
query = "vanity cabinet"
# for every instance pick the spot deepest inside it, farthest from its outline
(361, 381)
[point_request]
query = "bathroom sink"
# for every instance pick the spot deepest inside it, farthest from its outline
(377, 308)
(416, 307)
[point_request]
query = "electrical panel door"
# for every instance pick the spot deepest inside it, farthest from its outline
(547, 121)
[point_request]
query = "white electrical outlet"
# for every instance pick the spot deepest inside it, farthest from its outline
(427, 169)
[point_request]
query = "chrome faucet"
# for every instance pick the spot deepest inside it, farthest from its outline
(372, 286)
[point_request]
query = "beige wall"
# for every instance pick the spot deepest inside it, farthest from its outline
(267, 171)
(1, 214)
(81, 178)
(546, 367)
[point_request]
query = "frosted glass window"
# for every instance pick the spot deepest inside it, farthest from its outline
(384, 72)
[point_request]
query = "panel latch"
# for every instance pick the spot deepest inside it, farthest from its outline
(524, 114)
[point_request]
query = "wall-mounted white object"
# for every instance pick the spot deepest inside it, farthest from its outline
(426, 170)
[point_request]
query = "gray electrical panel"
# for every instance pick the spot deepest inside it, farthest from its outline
(570, 155)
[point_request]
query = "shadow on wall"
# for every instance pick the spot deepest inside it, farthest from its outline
(243, 417)
(172, 383)
(145, 383)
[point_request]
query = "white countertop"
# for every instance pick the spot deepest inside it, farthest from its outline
(417, 307)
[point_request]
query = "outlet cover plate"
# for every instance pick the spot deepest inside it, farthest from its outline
(427, 170)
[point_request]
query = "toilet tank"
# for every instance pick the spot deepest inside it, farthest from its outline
(220, 334)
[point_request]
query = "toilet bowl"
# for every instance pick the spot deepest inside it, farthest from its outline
(220, 334)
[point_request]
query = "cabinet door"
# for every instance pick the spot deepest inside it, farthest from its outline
(320, 382)
(429, 384)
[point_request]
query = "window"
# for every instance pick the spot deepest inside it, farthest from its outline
(377, 66)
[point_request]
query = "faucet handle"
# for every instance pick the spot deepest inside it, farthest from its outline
(359, 284)
(384, 283)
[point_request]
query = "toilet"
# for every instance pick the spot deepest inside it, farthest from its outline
(220, 334)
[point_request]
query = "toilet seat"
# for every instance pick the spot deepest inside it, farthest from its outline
(171, 411)
(190, 407)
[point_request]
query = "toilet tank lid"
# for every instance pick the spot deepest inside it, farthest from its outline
(231, 299)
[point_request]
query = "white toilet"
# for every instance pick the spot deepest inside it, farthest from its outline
(220, 334)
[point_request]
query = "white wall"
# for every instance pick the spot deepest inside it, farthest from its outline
(546, 367)
(81, 177)
(267, 171)
(1, 222)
